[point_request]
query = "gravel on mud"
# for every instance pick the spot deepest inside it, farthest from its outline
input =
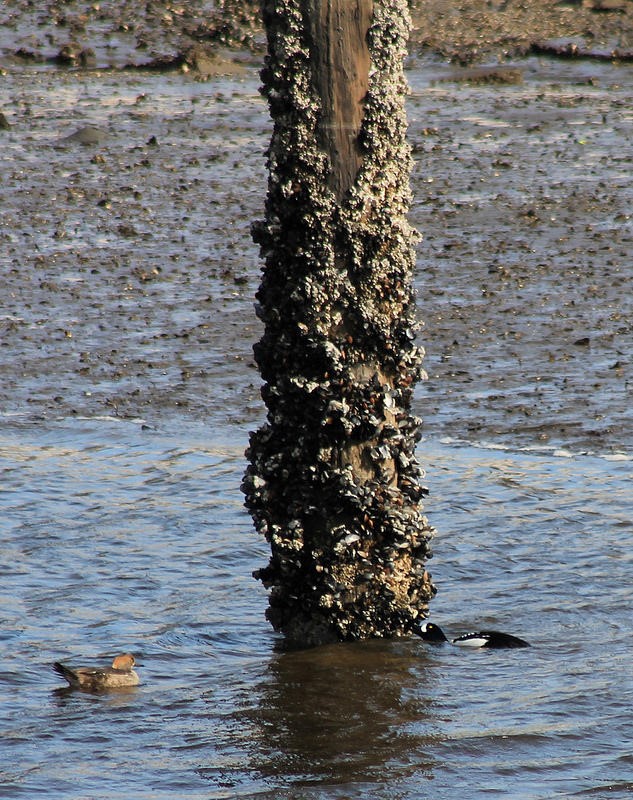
(127, 268)
(121, 32)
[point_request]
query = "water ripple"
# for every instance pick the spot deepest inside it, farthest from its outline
(118, 538)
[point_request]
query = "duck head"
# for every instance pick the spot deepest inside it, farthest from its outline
(430, 632)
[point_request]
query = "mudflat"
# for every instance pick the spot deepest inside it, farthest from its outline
(132, 168)
(120, 33)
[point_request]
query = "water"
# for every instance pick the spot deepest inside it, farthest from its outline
(120, 537)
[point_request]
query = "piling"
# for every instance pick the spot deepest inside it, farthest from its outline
(333, 482)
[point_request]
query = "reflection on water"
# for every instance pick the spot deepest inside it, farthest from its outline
(339, 715)
(115, 538)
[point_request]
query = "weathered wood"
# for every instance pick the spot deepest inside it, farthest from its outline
(341, 62)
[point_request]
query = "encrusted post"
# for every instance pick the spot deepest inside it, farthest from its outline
(333, 482)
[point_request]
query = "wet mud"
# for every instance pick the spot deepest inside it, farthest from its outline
(164, 34)
(128, 272)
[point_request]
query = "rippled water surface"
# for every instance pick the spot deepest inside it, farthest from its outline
(120, 537)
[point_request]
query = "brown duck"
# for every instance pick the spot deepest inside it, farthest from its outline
(96, 679)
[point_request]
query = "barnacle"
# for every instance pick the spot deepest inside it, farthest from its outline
(333, 482)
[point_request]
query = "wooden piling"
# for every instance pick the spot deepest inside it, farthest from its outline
(333, 481)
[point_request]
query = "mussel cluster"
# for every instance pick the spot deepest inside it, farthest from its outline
(333, 481)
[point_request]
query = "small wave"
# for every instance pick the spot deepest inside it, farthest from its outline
(540, 449)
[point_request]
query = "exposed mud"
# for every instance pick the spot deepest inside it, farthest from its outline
(524, 197)
(473, 30)
(116, 34)
(127, 268)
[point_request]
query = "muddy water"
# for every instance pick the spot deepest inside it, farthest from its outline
(128, 389)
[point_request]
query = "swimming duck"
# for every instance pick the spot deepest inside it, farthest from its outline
(96, 679)
(431, 632)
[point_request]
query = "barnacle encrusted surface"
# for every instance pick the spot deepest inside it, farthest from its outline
(333, 482)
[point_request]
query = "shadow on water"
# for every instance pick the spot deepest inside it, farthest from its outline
(338, 719)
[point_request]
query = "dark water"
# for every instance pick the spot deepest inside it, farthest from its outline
(116, 537)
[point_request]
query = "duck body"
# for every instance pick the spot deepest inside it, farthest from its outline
(430, 632)
(492, 639)
(97, 679)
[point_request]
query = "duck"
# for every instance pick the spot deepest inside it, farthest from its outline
(430, 632)
(96, 679)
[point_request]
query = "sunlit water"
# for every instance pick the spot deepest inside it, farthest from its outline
(119, 537)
